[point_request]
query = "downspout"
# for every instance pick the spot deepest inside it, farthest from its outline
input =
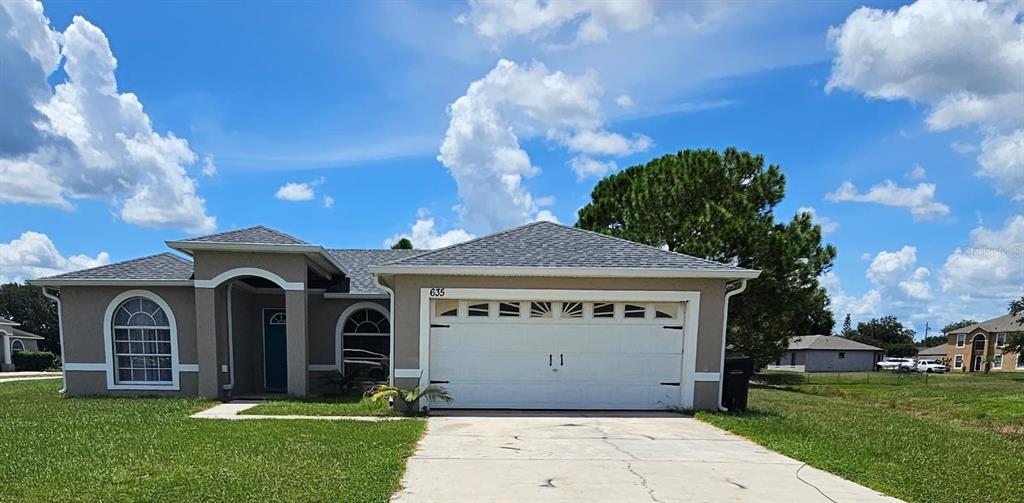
(725, 325)
(391, 328)
(60, 331)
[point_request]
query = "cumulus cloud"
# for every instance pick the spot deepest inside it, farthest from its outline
(827, 224)
(482, 150)
(33, 255)
(585, 167)
(299, 191)
(592, 19)
(888, 267)
(992, 267)
(624, 101)
(83, 138)
(843, 303)
(918, 173)
(209, 168)
(963, 147)
(960, 58)
(425, 236)
(328, 202)
(919, 200)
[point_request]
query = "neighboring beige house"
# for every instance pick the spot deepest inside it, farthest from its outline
(827, 353)
(14, 340)
(940, 352)
(542, 316)
(970, 346)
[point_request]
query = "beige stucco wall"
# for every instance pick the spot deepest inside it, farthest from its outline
(82, 314)
(1010, 360)
(290, 266)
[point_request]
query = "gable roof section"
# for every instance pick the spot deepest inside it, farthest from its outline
(546, 248)
(257, 234)
(1006, 323)
(940, 350)
(162, 268)
(357, 263)
(5, 321)
(827, 342)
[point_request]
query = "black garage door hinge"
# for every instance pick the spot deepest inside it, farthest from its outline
(439, 382)
(670, 384)
(438, 325)
(673, 327)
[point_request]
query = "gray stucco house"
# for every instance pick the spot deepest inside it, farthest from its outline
(14, 340)
(541, 316)
(827, 353)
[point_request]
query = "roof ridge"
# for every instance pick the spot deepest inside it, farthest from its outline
(281, 233)
(212, 238)
(588, 231)
(499, 233)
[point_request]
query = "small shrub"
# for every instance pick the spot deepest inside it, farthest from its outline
(33, 360)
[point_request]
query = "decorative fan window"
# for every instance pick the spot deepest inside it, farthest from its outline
(666, 310)
(633, 311)
(366, 345)
(142, 343)
(17, 346)
(508, 309)
(478, 309)
(540, 310)
(278, 319)
(572, 310)
(604, 310)
(446, 307)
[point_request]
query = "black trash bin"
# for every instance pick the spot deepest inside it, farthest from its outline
(738, 371)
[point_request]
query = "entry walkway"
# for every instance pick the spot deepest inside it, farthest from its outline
(232, 411)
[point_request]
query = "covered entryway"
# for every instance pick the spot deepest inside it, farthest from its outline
(559, 354)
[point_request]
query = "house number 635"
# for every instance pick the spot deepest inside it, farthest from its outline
(437, 292)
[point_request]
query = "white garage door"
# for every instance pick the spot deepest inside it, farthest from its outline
(541, 354)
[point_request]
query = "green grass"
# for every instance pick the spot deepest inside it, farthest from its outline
(953, 439)
(334, 406)
(131, 449)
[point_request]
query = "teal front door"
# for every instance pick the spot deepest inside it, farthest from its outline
(275, 361)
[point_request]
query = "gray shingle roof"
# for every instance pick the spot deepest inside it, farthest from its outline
(940, 350)
(258, 234)
(21, 334)
(5, 321)
(1004, 323)
(164, 266)
(357, 261)
(828, 342)
(546, 244)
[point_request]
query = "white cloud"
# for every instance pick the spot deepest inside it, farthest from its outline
(963, 148)
(624, 101)
(961, 58)
(546, 216)
(83, 139)
(295, 191)
(585, 167)
(918, 173)
(209, 168)
(1002, 158)
(593, 19)
(888, 267)
(328, 202)
(33, 255)
(595, 142)
(424, 235)
(842, 303)
(920, 200)
(827, 224)
(481, 148)
(992, 267)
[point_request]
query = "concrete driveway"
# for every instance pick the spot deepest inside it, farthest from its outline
(542, 457)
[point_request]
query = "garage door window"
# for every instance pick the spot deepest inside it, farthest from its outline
(604, 310)
(634, 311)
(666, 310)
(447, 308)
(508, 309)
(540, 310)
(478, 309)
(572, 310)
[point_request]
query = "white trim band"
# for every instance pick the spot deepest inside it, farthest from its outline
(408, 373)
(570, 272)
(188, 367)
(86, 367)
(249, 271)
(707, 376)
(321, 367)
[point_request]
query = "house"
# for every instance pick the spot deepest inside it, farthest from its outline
(14, 340)
(827, 353)
(971, 346)
(939, 352)
(541, 316)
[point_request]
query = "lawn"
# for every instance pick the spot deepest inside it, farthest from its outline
(952, 439)
(59, 449)
(332, 406)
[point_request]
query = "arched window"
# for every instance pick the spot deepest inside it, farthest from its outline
(366, 346)
(142, 343)
(17, 346)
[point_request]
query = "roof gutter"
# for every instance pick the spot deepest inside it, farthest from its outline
(56, 282)
(594, 272)
(725, 325)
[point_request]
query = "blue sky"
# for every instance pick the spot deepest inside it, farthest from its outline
(351, 102)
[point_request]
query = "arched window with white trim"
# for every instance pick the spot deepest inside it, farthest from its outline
(142, 346)
(17, 346)
(366, 344)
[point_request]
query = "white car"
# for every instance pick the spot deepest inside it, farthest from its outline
(897, 364)
(930, 366)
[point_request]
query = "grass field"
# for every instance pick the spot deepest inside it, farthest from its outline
(954, 438)
(340, 406)
(105, 449)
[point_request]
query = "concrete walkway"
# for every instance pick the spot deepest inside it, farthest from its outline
(232, 411)
(555, 457)
(28, 376)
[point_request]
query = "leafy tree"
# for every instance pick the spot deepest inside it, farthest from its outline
(933, 340)
(957, 324)
(847, 328)
(402, 244)
(35, 313)
(884, 332)
(719, 206)
(1015, 341)
(901, 350)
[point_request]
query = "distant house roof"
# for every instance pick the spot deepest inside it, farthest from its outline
(940, 350)
(257, 234)
(542, 247)
(1005, 323)
(161, 267)
(5, 321)
(828, 342)
(357, 264)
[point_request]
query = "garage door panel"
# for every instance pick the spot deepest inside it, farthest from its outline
(562, 396)
(479, 365)
(623, 368)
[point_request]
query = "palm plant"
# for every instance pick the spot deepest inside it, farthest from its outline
(409, 397)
